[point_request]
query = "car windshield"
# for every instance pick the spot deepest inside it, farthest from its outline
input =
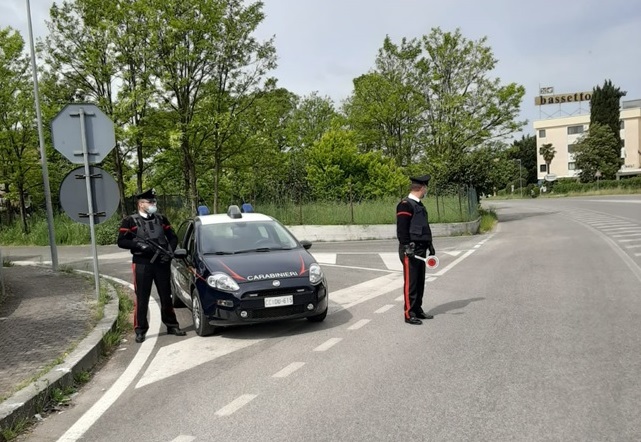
(241, 237)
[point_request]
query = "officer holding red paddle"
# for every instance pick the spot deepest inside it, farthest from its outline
(415, 239)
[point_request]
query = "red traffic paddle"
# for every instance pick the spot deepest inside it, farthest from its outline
(431, 262)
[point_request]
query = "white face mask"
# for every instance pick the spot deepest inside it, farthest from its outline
(151, 209)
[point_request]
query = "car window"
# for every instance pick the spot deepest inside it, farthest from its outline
(244, 236)
(182, 230)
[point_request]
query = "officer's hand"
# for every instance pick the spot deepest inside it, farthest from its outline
(409, 249)
(142, 246)
(430, 247)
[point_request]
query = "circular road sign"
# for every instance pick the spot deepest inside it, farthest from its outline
(73, 195)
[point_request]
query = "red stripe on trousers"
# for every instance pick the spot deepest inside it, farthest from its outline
(406, 286)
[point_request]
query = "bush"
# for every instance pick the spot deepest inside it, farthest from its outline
(533, 191)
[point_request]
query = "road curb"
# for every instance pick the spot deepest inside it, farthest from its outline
(376, 231)
(25, 403)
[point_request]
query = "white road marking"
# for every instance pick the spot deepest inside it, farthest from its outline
(325, 258)
(328, 344)
(629, 240)
(391, 261)
(288, 370)
(430, 279)
(610, 225)
(350, 296)
(453, 263)
(400, 298)
(99, 408)
(359, 324)
(454, 252)
(624, 235)
(188, 353)
(633, 247)
(236, 404)
(184, 438)
(384, 308)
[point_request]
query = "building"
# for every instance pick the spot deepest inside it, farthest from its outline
(564, 132)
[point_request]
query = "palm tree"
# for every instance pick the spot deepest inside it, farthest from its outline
(548, 152)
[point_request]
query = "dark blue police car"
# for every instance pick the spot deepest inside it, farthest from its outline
(243, 268)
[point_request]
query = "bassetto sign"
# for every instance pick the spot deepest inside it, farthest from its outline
(562, 98)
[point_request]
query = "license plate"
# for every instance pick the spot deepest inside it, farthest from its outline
(278, 301)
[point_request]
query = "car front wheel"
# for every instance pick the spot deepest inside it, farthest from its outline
(202, 326)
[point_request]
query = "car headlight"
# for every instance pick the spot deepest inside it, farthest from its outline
(315, 274)
(222, 281)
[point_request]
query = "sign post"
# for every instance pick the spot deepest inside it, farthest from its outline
(95, 137)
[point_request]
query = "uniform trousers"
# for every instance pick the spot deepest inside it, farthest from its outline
(413, 282)
(144, 276)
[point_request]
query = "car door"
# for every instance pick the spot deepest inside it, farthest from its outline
(181, 275)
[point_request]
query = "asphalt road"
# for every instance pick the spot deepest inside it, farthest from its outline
(535, 337)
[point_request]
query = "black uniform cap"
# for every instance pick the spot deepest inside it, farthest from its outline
(146, 195)
(424, 179)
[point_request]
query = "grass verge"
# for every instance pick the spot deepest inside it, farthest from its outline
(488, 220)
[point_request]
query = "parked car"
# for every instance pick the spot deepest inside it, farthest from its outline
(243, 268)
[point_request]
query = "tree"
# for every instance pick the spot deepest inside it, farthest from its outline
(432, 100)
(595, 151)
(465, 107)
(605, 110)
(548, 152)
(18, 136)
(337, 171)
(525, 150)
(385, 107)
(207, 64)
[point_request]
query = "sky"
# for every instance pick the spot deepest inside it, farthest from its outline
(322, 45)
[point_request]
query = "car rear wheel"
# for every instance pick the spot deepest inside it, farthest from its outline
(318, 318)
(202, 326)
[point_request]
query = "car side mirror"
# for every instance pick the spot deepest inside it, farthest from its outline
(180, 253)
(306, 244)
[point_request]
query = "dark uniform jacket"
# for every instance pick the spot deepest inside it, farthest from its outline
(412, 224)
(155, 227)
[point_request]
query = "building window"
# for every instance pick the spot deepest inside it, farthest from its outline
(572, 166)
(573, 130)
(543, 168)
(622, 125)
(542, 133)
(571, 148)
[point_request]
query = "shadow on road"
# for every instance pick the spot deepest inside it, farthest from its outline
(453, 305)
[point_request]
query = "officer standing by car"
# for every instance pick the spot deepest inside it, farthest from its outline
(415, 239)
(151, 239)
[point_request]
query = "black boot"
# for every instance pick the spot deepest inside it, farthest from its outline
(175, 331)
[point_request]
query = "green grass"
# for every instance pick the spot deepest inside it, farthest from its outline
(443, 210)
(112, 338)
(488, 220)
(16, 429)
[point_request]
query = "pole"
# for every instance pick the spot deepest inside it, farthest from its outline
(85, 154)
(43, 151)
(520, 181)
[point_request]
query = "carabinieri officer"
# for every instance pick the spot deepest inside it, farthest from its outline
(415, 238)
(136, 233)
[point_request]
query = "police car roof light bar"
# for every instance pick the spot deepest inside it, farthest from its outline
(234, 212)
